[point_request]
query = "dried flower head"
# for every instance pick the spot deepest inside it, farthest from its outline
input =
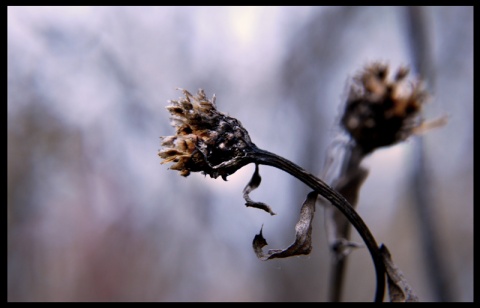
(381, 111)
(205, 140)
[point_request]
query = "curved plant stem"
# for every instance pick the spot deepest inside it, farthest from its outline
(263, 157)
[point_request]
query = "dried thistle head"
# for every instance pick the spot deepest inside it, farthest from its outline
(205, 139)
(381, 111)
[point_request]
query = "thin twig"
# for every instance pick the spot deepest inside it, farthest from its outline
(351, 177)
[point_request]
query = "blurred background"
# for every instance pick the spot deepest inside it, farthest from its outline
(93, 216)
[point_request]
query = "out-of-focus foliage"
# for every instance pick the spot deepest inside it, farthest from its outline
(93, 216)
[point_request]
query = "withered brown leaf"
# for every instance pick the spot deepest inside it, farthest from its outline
(303, 235)
(398, 287)
(253, 184)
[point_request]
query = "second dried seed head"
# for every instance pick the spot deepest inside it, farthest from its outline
(380, 110)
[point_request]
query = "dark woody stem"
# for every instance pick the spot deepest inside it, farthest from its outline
(263, 157)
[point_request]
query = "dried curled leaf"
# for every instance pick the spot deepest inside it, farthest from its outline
(303, 235)
(398, 287)
(253, 184)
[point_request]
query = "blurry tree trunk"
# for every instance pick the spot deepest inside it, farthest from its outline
(422, 201)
